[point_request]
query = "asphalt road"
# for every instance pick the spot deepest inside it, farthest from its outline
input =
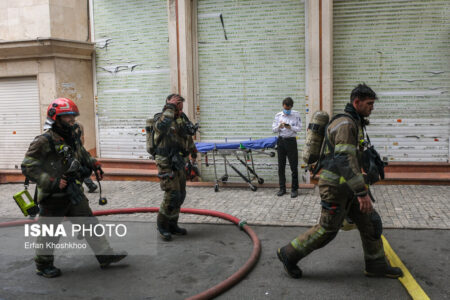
(211, 253)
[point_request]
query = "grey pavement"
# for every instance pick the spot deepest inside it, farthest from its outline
(400, 206)
(210, 253)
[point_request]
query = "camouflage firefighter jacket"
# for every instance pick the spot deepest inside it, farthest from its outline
(173, 137)
(46, 166)
(345, 135)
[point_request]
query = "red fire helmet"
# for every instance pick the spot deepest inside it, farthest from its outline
(60, 107)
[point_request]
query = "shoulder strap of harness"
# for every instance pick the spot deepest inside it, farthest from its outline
(52, 148)
(158, 140)
(327, 142)
(50, 141)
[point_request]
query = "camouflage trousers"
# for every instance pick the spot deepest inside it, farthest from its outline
(337, 203)
(52, 211)
(174, 188)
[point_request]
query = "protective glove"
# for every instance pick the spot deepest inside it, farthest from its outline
(98, 170)
(170, 106)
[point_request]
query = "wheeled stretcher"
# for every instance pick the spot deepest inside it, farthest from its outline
(243, 152)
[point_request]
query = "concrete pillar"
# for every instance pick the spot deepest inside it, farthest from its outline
(327, 56)
(173, 44)
(181, 52)
(320, 55)
(313, 58)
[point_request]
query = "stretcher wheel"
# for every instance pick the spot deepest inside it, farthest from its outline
(272, 154)
(224, 178)
(260, 180)
(253, 188)
(216, 188)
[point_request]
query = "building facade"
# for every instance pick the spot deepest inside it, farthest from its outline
(45, 53)
(234, 61)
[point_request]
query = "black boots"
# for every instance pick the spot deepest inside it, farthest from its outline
(92, 188)
(281, 192)
(294, 194)
(374, 268)
(90, 184)
(381, 268)
(106, 260)
(168, 227)
(163, 226)
(174, 229)
(289, 266)
(48, 271)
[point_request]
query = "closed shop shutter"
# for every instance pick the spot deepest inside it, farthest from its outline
(132, 65)
(251, 56)
(400, 49)
(19, 119)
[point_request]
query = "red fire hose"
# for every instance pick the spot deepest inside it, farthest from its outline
(215, 290)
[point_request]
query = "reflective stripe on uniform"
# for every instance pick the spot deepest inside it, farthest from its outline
(302, 246)
(380, 253)
(329, 176)
(339, 125)
(345, 148)
(44, 180)
(296, 244)
(356, 182)
(28, 160)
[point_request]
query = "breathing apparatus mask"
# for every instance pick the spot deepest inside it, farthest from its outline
(372, 163)
(65, 125)
(189, 127)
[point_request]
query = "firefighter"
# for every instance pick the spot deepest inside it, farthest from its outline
(174, 144)
(47, 161)
(343, 192)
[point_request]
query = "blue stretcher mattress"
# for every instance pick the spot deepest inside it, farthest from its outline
(251, 144)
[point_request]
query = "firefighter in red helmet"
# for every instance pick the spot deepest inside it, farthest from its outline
(60, 107)
(47, 162)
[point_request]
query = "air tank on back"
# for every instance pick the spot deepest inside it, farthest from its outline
(314, 137)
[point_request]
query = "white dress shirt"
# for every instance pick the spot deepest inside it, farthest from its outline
(293, 120)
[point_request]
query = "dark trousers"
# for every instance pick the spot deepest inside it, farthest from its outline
(287, 147)
(52, 212)
(338, 202)
(174, 193)
(88, 181)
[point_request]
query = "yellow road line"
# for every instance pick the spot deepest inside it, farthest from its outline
(407, 280)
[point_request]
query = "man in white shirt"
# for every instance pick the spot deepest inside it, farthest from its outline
(287, 123)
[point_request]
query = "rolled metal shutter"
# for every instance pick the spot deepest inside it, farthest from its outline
(400, 49)
(132, 65)
(19, 119)
(251, 56)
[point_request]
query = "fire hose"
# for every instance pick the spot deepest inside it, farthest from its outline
(215, 290)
